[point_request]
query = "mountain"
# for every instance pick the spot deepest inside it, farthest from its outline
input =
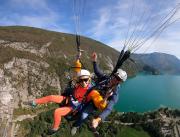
(161, 62)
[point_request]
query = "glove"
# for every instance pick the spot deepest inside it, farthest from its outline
(96, 122)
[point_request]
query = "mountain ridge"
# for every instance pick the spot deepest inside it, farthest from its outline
(163, 62)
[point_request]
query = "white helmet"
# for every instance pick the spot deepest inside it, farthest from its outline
(83, 73)
(121, 74)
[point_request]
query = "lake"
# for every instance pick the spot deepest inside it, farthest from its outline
(149, 92)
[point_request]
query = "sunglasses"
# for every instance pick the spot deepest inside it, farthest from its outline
(83, 80)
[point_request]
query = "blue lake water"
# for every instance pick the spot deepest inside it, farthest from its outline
(149, 92)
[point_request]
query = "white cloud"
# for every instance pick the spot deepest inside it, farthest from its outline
(169, 43)
(177, 1)
(100, 24)
(115, 21)
(46, 22)
(35, 13)
(117, 44)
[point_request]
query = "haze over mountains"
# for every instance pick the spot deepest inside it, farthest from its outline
(162, 62)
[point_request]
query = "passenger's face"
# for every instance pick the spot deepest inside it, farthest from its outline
(84, 81)
(114, 81)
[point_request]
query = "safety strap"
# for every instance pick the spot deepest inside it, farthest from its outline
(78, 42)
(84, 98)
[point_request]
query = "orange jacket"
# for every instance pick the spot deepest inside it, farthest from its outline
(94, 96)
(97, 99)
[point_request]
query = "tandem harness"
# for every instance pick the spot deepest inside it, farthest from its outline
(76, 105)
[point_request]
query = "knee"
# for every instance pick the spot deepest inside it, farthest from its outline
(50, 97)
(57, 112)
(84, 115)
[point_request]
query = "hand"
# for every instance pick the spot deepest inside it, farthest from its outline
(108, 94)
(95, 122)
(94, 56)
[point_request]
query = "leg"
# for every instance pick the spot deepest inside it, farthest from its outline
(50, 98)
(58, 113)
(84, 115)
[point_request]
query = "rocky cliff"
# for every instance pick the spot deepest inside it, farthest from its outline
(23, 79)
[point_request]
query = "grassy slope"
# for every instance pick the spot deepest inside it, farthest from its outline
(60, 41)
(130, 132)
(61, 44)
(41, 123)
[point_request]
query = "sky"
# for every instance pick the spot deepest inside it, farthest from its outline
(112, 22)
